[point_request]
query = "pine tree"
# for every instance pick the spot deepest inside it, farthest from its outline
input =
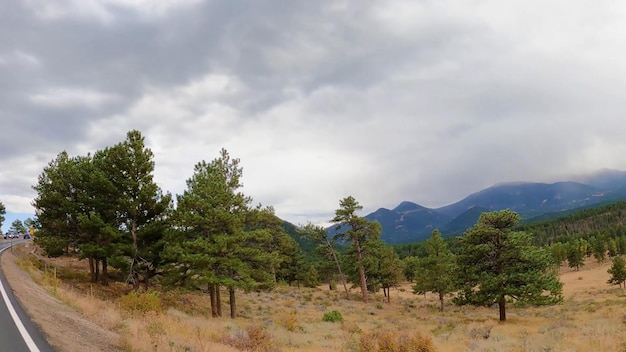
(436, 272)
(213, 244)
(358, 231)
(575, 255)
(618, 272)
(141, 205)
(3, 212)
(497, 264)
(326, 248)
(411, 267)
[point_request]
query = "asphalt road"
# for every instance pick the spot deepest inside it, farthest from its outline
(17, 332)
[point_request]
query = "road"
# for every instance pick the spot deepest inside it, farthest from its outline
(17, 332)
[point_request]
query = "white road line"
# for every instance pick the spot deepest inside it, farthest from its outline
(20, 326)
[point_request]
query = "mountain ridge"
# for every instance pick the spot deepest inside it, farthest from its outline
(412, 222)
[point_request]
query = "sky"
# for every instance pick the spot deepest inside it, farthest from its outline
(387, 100)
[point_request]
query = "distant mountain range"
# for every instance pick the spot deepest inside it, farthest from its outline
(411, 222)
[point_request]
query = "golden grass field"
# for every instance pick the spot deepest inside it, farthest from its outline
(592, 317)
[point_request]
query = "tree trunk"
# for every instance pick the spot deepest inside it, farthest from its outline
(146, 279)
(92, 270)
(105, 272)
(343, 278)
(213, 296)
(501, 305)
(441, 301)
(359, 259)
(231, 300)
(218, 298)
(97, 272)
(134, 273)
(133, 233)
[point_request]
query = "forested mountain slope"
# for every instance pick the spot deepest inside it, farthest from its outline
(608, 220)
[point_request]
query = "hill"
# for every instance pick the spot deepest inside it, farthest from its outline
(606, 220)
(411, 222)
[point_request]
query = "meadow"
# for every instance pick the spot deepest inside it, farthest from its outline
(592, 317)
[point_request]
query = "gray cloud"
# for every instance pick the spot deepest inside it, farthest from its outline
(387, 101)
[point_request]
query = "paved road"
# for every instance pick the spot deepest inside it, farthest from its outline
(17, 332)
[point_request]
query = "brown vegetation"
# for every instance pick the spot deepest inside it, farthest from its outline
(290, 319)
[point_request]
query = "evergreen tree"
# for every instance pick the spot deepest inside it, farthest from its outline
(141, 205)
(411, 268)
(357, 231)
(211, 244)
(382, 266)
(559, 253)
(57, 206)
(17, 226)
(497, 263)
(3, 212)
(598, 244)
(575, 255)
(326, 247)
(436, 271)
(618, 272)
(611, 246)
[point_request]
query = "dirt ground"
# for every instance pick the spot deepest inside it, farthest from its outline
(64, 327)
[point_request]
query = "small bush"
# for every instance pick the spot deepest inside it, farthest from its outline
(254, 339)
(140, 303)
(333, 317)
(395, 342)
(291, 323)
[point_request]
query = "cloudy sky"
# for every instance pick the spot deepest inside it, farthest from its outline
(390, 100)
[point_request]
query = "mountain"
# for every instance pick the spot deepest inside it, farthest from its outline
(528, 198)
(410, 222)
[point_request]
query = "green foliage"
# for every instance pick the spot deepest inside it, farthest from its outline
(608, 220)
(53, 246)
(17, 226)
(411, 267)
(3, 212)
(216, 239)
(102, 205)
(328, 263)
(497, 264)
(618, 272)
(382, 266)
(437, 272)
(333, 317)
(138, 303)
(576, 254)
(358, 231)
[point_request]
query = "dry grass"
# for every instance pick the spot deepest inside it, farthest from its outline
(592, 318)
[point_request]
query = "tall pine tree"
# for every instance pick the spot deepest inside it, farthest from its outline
(497, 264)
(212, 243)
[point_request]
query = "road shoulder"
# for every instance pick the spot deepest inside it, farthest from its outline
(64, 327)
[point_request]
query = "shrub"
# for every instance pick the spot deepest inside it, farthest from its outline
(291, 322)
(395, 342)
(333, 317)
(140, 303)
(254, 339)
